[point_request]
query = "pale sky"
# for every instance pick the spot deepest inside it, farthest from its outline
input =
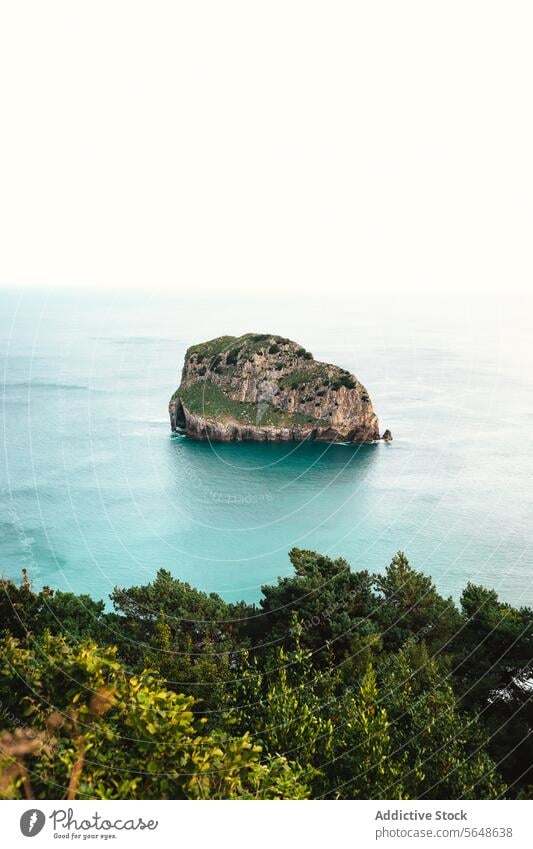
(245, 146)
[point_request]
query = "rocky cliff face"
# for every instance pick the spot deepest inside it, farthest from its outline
(264, 387)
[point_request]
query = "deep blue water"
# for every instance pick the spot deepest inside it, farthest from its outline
(95, 492)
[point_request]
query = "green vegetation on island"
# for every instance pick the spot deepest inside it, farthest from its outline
(339, 684)
(206, 399)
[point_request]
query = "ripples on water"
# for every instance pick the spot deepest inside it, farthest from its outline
(96, 492)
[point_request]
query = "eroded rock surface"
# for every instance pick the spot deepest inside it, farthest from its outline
(264, 387)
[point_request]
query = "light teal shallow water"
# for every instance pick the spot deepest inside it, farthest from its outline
(96, 492)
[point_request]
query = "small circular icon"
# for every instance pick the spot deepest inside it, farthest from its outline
(32, 822)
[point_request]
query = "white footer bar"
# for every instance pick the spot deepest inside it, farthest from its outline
(268, 825)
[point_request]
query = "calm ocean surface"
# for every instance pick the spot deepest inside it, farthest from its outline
(96, 493)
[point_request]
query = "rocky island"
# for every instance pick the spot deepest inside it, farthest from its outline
(267, 388)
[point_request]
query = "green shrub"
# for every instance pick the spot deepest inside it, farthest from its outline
(354, 685)
(343, 380)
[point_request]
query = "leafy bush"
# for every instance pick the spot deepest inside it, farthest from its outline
(233, 356)
(342, 684)
(343, 380)
(116, 736)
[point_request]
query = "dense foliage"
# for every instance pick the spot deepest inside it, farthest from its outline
(339, 684)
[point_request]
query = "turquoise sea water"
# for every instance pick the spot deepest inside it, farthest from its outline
(96, 492)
